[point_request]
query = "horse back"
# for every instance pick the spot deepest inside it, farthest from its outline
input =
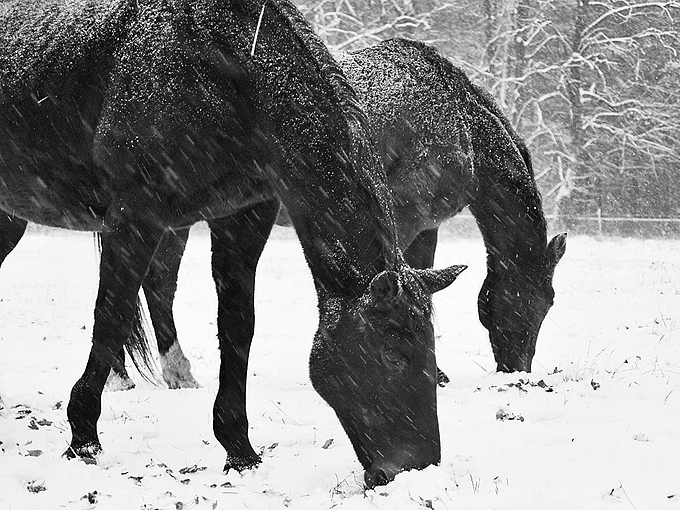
(57, 45)
(55, 61)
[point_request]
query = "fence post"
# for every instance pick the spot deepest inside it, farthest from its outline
(599, 222)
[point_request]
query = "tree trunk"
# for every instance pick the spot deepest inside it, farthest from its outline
(576, 197)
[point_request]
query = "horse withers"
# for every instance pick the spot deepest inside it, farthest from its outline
(135, 117)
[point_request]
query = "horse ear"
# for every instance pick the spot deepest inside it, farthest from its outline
(385, 287)
(434, 280)
(556, 248)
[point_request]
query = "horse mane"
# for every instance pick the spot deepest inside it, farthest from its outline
(369, 172)
(487, 100)
(345, 96)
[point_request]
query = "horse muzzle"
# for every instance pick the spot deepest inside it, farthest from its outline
(383, 470)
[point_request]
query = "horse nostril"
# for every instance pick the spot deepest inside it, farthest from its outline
(375, 476)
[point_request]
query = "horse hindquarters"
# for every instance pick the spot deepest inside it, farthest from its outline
(237, 243)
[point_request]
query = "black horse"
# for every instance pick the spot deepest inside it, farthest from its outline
(445, 144)
(132, 117)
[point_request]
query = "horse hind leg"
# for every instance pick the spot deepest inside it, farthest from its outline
(119, 379)
(420, 255)
(159, 287)
(237, 243)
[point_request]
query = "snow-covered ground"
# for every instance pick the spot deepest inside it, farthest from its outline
(595, 426)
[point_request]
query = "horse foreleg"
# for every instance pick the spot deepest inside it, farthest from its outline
(420, 255)
(159, 287)
(237, 243)
(128, 244)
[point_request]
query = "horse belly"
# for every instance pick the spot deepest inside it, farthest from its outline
(47, 174)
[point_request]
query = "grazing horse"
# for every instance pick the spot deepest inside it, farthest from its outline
(445, 144)
(133, 117)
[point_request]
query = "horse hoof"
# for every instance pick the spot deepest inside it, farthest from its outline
(118, 382)
(442, 378)
(177, 381)
(177, 369)
(87, 452)
(241, 464)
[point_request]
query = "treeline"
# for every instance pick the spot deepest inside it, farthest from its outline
(593, 86)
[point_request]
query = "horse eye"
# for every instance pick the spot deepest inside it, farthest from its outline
(393, 361)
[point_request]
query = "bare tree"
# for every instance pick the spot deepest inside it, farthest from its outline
(590, 85)
(355, 24)
(623, 122)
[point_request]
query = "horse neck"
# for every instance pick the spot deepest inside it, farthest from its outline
(508, 210)
(325, 170)
(344, 222)
(333, 183)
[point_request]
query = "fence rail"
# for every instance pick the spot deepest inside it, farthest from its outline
(552, 217)
(599, 222)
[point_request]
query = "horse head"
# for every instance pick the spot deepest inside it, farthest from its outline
(373, 361)
(514, 300)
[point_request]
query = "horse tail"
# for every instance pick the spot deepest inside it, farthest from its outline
(137, 345)
(138, 342)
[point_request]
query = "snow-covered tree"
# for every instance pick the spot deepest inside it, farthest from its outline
(592, 85)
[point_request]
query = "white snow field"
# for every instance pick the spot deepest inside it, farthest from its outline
(595, 426)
